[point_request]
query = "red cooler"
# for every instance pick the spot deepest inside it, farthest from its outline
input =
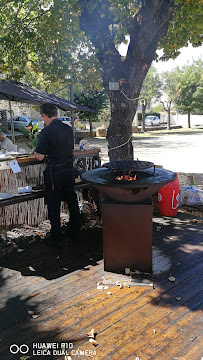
(168, 198)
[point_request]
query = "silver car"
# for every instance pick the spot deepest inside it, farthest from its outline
(152, 120)
(24, 121)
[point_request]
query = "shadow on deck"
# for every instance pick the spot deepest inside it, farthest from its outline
(164, 322)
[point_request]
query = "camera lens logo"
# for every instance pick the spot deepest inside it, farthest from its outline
(23, 349)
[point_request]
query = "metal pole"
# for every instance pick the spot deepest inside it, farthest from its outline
(12, 126)
(72, 112)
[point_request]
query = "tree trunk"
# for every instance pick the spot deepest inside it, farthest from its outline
(91, 131)
(146, 28)
(189, 123)
(119, 132)
(169, 118)
(143, 116)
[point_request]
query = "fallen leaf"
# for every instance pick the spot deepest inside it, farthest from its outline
(91, 334)
(178, 298)
(119, 284)
(94, 342)
(65, 269)
(172, 278)
(25, 357)
(35, 316)
(31, 312)
(20, 250)
(100, 283)
(31, 268)
(100, 287)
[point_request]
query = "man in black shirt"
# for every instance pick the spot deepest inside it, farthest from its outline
(55, 144)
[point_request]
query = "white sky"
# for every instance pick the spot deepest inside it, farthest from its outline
(188, 55)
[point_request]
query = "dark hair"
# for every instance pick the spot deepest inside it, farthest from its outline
(48, 109)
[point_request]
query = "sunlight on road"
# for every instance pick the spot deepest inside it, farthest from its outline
(176, 153)
(179, 153)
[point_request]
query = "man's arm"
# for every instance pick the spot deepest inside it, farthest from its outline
(41, 148)
(38, 156)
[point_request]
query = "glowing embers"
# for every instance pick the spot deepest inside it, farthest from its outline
(125, 176)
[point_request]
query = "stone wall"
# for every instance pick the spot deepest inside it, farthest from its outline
(21, 109)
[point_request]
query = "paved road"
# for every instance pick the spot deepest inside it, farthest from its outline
(180, 153)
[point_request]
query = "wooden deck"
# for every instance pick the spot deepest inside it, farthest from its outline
(136, 322)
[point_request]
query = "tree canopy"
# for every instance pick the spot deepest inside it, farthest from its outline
(78, 39)
(47, 36)
(95, 100)
(190, 88)
(151, 90)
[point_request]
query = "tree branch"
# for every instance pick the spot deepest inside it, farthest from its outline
(37, 17)
(96, 26)
(6, 3)
(30, 20)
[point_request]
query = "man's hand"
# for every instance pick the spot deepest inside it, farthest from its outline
(38, 156)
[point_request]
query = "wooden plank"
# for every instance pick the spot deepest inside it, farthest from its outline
(36, 194)
(68, 316)
(82, 153)
(158, 325)
(85, 324)
(130, 324)
(71, 305)
(181, 253)
(176, 337)
(193, 350)
(179, 233)
(51, 295)
(69, 328)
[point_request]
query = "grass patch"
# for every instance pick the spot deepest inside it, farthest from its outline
(159, 133)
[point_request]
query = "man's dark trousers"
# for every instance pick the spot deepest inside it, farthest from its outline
(60, 186)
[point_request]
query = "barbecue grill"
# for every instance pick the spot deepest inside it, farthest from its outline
(149, 180)
(127, 211)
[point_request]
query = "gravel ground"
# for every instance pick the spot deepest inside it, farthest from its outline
(180, 152)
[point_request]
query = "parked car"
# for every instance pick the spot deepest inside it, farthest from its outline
(152, 120)
(66, 120)
(24, 121)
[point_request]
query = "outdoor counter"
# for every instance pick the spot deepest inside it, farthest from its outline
(29, 208)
